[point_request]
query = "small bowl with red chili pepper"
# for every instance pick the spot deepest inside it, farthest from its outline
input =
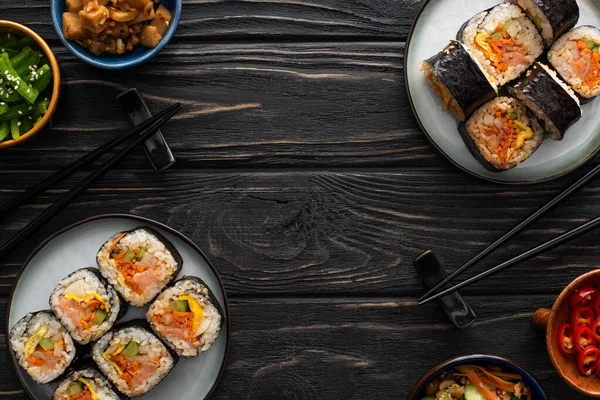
(573, 333)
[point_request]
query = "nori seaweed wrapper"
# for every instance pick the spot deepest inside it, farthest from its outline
(459, 72)
(563, 15)
(539, 87)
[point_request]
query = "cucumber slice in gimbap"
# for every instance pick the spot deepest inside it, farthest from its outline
(46, 344)
(180, 306)
(100, 316)
(132, 349)
(75, 388)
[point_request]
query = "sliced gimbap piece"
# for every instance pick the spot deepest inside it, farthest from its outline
(552, 18)
(501, 134)
(576, 57)
(455, 75)
(139, 264)
(42, 346)
(504, 42)
(133, 359)
(86, 305)
(85, 384)
(552, 101)
(186, 316)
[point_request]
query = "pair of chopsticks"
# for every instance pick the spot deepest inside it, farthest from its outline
(435, 293)
(143, 132)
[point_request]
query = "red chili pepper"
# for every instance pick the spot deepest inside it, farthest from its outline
(587, 360)
(584, 296)
(596, 329)
(582, 316)
(596, 305)
(564, 339)
(583, 338)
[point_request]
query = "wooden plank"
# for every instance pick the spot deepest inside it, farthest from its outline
(345, 233)
(218, 20)
(289, 104)
(358, 348)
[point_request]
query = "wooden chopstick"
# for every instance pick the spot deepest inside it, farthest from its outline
(514, 231)
(557, 241)
(84, 161)
(82, 186)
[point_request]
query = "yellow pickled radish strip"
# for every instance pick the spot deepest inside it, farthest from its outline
(33, 341)
(195, 308)
(86, 298)
(111, 362)
(119, 350)
(525, 134)
(480, 40)
(90, 388)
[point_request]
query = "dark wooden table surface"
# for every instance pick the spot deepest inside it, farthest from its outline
(304, 177)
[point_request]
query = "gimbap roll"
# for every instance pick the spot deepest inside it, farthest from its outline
(501, 134)
(552, 101)
(86, 305)
(186, 316)
(576, 57)
(133, 359)
(504, 42)
(552, 18)
(458, 79)
(85, 384)
(42, 346)
(139, 264)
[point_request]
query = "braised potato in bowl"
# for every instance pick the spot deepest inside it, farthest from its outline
(115, 26)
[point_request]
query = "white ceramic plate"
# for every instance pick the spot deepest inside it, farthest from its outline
(76, 247)
(436, 24)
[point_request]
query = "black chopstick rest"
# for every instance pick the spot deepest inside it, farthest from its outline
(455, 306)
(160, 155)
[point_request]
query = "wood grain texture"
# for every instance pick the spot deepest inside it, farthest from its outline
(263, 19)
(327, 348)
(344, 233)
(290, 104)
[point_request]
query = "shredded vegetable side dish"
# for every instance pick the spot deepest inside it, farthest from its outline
(472, 382)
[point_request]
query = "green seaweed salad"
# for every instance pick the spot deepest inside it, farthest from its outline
(25, 88)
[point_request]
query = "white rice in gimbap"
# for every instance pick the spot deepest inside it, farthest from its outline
(504, 41)
(185, 317)
(576, 57)
(42, 346)
(138, 264)
(86, 305)
(85, 384)
(552, 18)
(503, 133)
(133, 359)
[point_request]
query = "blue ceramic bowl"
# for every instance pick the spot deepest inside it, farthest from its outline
(418, 392)
(138, 56)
